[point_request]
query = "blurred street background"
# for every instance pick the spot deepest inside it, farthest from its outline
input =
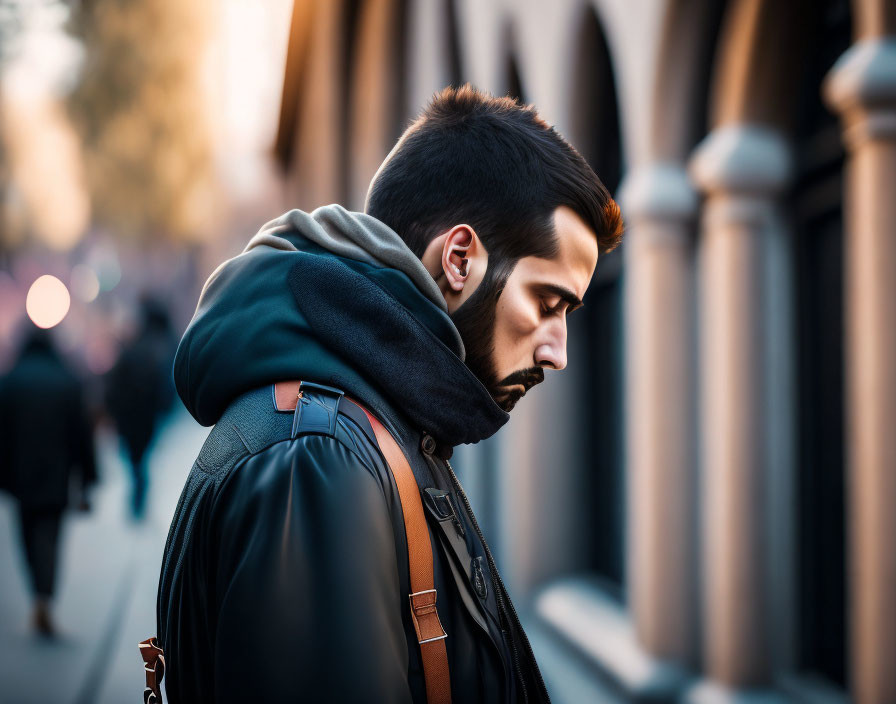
(700, 508)
(107, 585)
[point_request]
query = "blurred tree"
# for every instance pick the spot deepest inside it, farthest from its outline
(139, 106)
(4, 216)
(10, 30)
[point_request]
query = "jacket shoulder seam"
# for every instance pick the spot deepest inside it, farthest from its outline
(249, 455)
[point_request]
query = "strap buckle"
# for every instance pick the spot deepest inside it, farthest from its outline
(317, 412)
(425, 617)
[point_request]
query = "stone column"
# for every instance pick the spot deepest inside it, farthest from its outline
(743, 170)
(862, 87)
(660, 206)
(429, 59)
(377, 102)
(318, 177)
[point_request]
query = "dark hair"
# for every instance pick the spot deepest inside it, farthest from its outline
(495, 165)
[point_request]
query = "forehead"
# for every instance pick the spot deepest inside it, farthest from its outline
(576, 258)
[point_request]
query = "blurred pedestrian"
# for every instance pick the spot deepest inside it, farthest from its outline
(139, 390)
(46, 442)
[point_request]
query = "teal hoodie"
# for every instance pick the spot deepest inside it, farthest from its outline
(335, 298)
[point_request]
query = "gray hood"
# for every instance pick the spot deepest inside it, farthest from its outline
(355, 236)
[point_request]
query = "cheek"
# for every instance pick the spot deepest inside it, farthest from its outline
(515, 325)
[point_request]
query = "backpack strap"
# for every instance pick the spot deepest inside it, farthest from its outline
(320, 416)
(430, 634)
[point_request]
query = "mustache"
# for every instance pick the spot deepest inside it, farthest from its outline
(506, 396)
(527, 377)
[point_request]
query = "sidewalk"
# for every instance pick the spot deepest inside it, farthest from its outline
(106, 588)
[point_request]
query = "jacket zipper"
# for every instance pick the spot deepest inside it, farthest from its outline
(500, 595)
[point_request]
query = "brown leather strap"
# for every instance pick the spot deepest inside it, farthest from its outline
(430, 633)
(154, 666)
(424, 615)
(286, 395)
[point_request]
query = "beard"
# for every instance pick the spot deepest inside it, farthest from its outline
(475, 321)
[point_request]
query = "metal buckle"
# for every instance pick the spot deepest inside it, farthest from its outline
(425, 610)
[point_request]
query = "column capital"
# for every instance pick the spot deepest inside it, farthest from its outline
(747, 160)
(862, 88)
(660, 191)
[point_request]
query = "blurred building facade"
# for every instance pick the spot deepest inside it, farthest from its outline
(701, 505)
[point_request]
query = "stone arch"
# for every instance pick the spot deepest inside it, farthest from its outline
(760, 55)
(682, 77)
(594, 129)
(433, 51)
(294, 76)
(377, 85)
(311, 145)
(594, 114)
(512, 81)
(452, 40)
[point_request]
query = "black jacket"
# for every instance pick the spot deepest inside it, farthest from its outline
(138, 388)
(285, 574)
(46, 439)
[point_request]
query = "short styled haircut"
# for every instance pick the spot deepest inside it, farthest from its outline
(495, 165)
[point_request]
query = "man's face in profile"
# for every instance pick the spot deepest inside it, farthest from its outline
(512, 335)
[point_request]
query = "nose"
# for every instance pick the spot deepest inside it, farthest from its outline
(552, 350)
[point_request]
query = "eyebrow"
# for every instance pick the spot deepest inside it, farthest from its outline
(565, 294)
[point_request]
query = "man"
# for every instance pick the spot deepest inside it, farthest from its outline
(139, 392)
(45, 441)
(286, 573)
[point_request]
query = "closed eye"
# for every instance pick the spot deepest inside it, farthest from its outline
(567, 299)
(555, 309)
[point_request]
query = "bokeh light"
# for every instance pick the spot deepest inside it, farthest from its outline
(85, 283)
(104, 261)
(47, 302)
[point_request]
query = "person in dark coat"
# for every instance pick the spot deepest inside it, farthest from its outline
(285, 576)
(139, 390)
(46, 446)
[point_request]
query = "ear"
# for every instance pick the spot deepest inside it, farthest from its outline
(455, 255)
